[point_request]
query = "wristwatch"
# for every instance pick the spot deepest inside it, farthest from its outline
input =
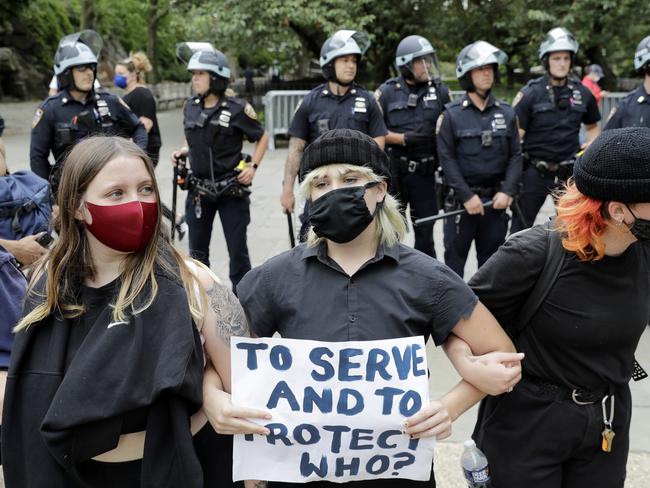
(255, 166)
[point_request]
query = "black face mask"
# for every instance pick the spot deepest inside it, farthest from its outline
(342, 214)
(640, 228)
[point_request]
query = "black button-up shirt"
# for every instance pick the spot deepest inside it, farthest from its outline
(61, 121)
(321, 111)
(412, 108)
(479, 148)
(401, 292)
(633, 111)
(552, 133)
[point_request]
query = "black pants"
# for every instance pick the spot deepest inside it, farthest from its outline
(488, 232)
(215, 454)
(533, 194)
(418, 192)
(235, 216)
(535, 439)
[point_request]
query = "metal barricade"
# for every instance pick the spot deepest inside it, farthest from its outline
(608, 102)
(279, 106)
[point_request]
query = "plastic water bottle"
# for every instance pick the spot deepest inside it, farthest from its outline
(475, 466)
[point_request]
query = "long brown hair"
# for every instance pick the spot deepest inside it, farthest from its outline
(69, 262)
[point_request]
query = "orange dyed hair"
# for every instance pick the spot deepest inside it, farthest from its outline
(581, 220)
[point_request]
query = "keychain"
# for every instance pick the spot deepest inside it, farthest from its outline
(608, 434)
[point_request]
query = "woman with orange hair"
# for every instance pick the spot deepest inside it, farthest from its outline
(566, 424)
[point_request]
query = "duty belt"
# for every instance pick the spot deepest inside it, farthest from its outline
(413, 165)
(484, 191)
(579, 396)
(551, 167)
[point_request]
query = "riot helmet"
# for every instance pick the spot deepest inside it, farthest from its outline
(414, 49)
(642, 56)
(342, 43)
(78, 49)
(202, 56)
(475, 55)
(558, 39)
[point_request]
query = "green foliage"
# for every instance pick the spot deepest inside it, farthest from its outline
(47, 21)
(291, 31)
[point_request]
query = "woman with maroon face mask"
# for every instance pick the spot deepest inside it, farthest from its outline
(110, 344)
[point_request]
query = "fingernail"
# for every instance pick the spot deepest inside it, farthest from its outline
(267, 416)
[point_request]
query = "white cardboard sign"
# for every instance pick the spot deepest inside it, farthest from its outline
(337, 409)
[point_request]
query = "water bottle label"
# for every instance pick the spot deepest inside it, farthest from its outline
(478, 476)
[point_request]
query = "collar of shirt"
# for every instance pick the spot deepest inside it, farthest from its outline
(354, 89)
(642, 96)
(320, 253)
(67, 98)
(467, 102)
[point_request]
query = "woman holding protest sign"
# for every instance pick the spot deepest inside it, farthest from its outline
(354, 281)
(109, 347)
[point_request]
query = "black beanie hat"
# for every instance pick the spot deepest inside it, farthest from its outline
(616, 166)
(344, 146)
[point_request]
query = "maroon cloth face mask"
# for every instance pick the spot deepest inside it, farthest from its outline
(126, 227)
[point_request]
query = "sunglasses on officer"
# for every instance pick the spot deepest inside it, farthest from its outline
(84, 67)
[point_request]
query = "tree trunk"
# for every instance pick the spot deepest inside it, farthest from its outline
(152, 41)
(88, 15)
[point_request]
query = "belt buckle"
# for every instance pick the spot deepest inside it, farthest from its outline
(574, 396)
(412, 166)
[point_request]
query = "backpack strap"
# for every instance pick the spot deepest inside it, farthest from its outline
(552, 266)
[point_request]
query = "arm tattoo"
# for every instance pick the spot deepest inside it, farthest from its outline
(292, 165)
(230, 318)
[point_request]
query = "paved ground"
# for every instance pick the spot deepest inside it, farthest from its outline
(268, 237)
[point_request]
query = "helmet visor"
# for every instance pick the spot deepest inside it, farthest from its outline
(185, 50)
(88, 37)
(427, 65)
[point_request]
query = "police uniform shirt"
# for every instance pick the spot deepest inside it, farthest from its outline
(479, 148)
(578, 340)
(321, 110)
(552, 133)
(61, 121)
(412, 108)
(633, 111)
(216, 135)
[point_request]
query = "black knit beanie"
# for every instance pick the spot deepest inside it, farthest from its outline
(344, 146)
(616, 166)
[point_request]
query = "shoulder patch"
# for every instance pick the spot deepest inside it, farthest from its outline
(439, 122)
(518, 97)
(250, 111)
(38, 115)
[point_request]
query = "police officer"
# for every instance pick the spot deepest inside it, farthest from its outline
(337, 104)
(77, 111)
(480, 153)
(551, 110)
(634, 110)
(215, 127)
(411, 104)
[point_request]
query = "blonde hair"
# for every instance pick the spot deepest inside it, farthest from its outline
(390, 223)
(69, 263)
(137, 63)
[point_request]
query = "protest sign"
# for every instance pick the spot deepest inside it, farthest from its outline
(337, 409)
